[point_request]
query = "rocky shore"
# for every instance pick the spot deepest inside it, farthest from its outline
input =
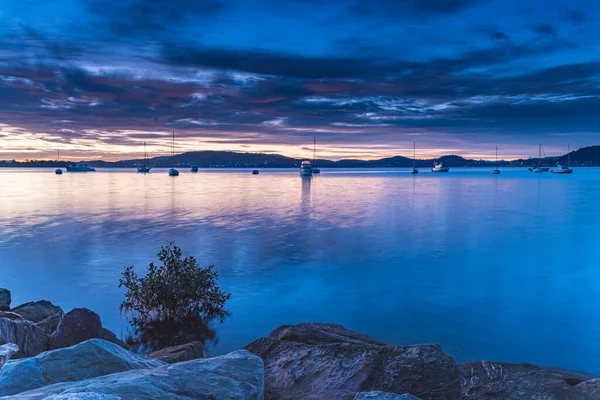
(46, 353)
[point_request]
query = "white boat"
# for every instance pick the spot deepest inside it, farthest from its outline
(439, 167)
(58, 171)
(536, 169)
(144, 168)
(80, 168)
(495, 170)
(414, 169)
(564, 169)
(306, 168)
(173, 171)
(315, 170)
(194, 168)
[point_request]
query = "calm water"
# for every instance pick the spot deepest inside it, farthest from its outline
(491, 267)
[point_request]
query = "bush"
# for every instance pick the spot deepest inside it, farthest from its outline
(174, 303)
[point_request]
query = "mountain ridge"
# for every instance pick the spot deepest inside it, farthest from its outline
(586, 156)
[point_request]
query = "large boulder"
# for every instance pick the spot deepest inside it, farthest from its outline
(238, 375)
(83, 361)
(589, 388)
(37, 311)
(30, 339)
(4, 299)
(49, 324)
(10, 315)
(384, 396)
(184, 352)
(111, 337)
(7, 350)
(485, 380)
(76, 326)
(323, 361)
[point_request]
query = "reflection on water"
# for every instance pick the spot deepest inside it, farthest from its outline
(495, 267)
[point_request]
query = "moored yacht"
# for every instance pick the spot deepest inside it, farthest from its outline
(255, 172)
(194, 168)
(495, 170)
(414, 169)
(536, 169)
(439, 167)
(564, 169)
(173, 171)
(144, 168)
(80, 168)
(58, 171)
(306, 168)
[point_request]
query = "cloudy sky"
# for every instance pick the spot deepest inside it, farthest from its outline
(97, 78)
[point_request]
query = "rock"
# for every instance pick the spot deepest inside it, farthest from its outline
(30, 339)
(589, 388)
(175, 354)
(383, 396)
(322, 361)
(76, 326)
(570, 376)
(7, 350)
(111, 337)
(37, 311)
(10, 315)
(484, 380)
(238, 375)
(85, 360)
(49, 324)
(321, 334)
(4, 299)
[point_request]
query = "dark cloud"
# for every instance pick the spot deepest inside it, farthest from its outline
(576, 17)
(150, 17)
(545, 30)
(498, 36)
(270, 63)
(398, 8)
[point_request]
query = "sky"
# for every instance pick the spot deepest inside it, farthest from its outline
(96, 79)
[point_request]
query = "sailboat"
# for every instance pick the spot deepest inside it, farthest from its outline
(414, 170)
(537, 169)
(58, 170)
(173, 171)
(315, 170)
(144, 168)
(564, 169)
(496, 171)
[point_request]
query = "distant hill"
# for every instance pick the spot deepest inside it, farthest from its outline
(587, 156)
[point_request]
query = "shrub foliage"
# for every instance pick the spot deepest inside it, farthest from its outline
(174, 303)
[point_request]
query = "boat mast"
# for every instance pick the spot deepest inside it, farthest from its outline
(414, 154)
(173, 148)
(568, 153)
(496, 156)
(314, 150)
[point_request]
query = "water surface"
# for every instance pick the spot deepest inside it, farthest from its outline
(491, 267)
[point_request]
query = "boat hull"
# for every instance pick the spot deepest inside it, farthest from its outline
(58, 171)
(173, 172)
(560, 171)
(304, 172)
(143, 169)
(495, 172)
(445, 169)
(80, 169)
